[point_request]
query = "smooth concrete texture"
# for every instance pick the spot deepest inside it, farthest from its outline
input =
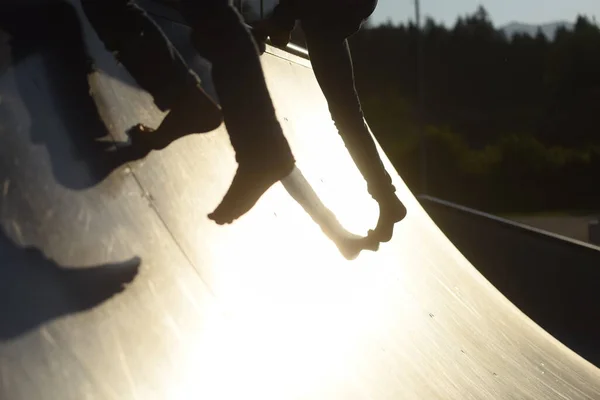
(115, 284)
(553, 279)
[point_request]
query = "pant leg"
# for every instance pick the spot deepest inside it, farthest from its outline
(332, 65)
(220, 36)
(285, 15)
(141, 46)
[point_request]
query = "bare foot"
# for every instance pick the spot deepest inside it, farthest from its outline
(247, 187)
(351, 247)
(390, 212)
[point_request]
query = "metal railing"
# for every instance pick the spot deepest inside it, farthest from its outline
(523, 228)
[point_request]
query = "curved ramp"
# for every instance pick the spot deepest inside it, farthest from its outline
(115, 285)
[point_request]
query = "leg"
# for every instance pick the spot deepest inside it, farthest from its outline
(278, 26)
(282, 22)
(262, 152)
(332, 65)
(285, 14)
(145, 51)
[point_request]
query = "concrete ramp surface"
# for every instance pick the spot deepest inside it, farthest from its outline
(114, 284)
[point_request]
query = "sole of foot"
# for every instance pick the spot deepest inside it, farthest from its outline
(352, 247)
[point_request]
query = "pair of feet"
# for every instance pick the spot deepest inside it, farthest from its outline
(252, 180)
(390, 212)
(196, 112)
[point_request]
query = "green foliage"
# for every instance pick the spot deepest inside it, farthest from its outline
(517, 173)
(483, 84)
(510, 122)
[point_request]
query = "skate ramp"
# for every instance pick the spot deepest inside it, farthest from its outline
(115, 285)
(552, 279)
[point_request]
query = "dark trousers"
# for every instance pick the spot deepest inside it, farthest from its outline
(326, 29)
(219, 35)
(140, 45)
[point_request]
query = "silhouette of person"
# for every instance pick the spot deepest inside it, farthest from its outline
(64, 66)
(327, 24)
(140, 45)
(220, 36)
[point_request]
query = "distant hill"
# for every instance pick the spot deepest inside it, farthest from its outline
(549, 29)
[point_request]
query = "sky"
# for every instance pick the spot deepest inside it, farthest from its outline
(501, 11)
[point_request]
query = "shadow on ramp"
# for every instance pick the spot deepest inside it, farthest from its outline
(53, 88)
(35, 290)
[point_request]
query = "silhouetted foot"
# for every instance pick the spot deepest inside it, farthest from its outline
(92, 286)
(351, 247)
(249, 184)
(194, 113)
(390, 212)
